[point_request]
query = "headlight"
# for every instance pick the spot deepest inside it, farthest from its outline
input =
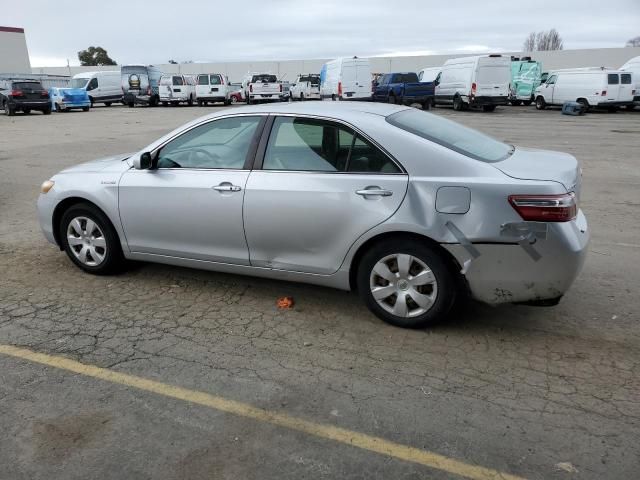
(46, 186)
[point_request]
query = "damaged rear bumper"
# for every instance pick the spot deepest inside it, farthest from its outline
(536, 271)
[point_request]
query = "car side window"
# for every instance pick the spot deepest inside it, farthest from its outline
(625, 79)
(613, 79)
(222, 143)
(203, 79)
(551, 80)
(307, 144)
(93, 84)
(366, 158)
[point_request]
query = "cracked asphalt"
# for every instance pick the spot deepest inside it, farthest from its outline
(542, 393)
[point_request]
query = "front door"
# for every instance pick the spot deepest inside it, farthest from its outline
(320, 188)
(190, 205)
(549, 90)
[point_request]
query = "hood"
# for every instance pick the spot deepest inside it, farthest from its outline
(99, 164)
(532, 164)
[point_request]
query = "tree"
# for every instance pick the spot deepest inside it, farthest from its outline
(173, 62)
(549, 40)
(530, 43)
(94, 56)
(633, 42)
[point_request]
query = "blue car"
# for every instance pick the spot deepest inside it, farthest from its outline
(69, 98)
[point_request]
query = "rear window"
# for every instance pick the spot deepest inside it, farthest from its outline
(178, 81)
(264, 79)
(613, 79)
(28, 86)
(315, 80)
(405, 78)
(215, 80)
(165, 81)
(203, 79)
(451, 135)
(625, 79)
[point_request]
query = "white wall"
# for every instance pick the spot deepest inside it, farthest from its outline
(611, 57)
(14, 56)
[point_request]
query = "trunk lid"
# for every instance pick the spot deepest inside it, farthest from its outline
(531, 164)
(493, 76)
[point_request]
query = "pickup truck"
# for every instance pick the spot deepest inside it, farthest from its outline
(403, 89)
(262, 88)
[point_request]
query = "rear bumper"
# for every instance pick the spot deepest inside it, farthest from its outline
(133, 98)
(212, 98)
(70, 105)
(481, 101)
(31, 104)
(508, 273)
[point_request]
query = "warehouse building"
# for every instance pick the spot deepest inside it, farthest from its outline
(14, 56)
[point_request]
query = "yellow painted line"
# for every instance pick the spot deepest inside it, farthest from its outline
(337, 434)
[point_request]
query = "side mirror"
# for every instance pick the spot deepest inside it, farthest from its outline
(143, 162)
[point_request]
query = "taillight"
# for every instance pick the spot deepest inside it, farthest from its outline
(545, 208)
(44, 94)
(281, 87)
(17, 93)
(473, 88)
(339, 89)
(604, 93)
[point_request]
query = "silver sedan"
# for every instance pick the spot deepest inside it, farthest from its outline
(413, 211)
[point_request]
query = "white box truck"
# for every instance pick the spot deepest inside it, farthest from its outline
(346, 79)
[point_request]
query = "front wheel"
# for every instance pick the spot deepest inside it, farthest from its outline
(85, 109)
(540, 103)
(407, 283)
(90, 240)
(47, 111)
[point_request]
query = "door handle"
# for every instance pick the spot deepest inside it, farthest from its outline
(227, 187)
(374, 191)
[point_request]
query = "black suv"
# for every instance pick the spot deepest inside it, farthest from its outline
(24, 95)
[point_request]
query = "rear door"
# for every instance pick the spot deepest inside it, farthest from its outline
(165, 87)
(626, 88)
(202, 86)
(613, 87)
(493, 76)
(306, 200)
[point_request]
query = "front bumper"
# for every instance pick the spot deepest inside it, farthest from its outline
(45, 206)
(508, 273)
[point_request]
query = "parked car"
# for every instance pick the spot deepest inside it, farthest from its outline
(23, 96)
(140, 85)
(305, 87)
(63, 99)
(403, 89)
(480, 81)
(423, 210)
(428, 74)
(633, 66)
(235, 93)
(102, 87)
(346, 79)
(175, 89)
(525, 78)
(286, 90)
(213, 87)
(597, 87)
(261, 87)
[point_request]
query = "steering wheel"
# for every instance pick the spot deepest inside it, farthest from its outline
(195, 152)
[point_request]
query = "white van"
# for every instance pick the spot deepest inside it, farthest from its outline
(633, 66)
(212, 87)
(598, 87)
(175, 88)
(480, 81)
(346, 79)
(102, 87)
(429, 74)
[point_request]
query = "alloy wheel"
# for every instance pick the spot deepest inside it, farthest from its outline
(86, 240)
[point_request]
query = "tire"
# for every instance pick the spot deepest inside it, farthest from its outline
(234, 99)
(59, 108)
(91, 100)
(458, 103)
(153, 102)
(190, 101)
(516, 103)
(26, 111)
(200, 103)
(439, 293)
(47, 111)
(101, 242)
(540, 103)
(392, 99)
(301, 97)
(584, 103)
(164, 104)
(131, 104)
(107, 104)
(333, 98)
(630, 108)
(9, 111)
(488, 108)
(526, 102)
(426, 105)
(85, 109)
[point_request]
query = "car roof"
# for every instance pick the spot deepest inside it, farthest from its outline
(329, 109)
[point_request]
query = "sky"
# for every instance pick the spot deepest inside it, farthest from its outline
(155, 31)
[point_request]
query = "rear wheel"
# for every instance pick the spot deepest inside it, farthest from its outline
(190, 101)
(526, 102)
(584, 103)
(130, 104)
(47, 111)
(107, 104)
(200, 102)
(234, 99)
(8, 110)
(406, 283)
(164, 104)
(90, 240)
(488, 108)
(392, 99)
(27, 111)
(85, 109)
(540, 103)
(301, 97)
(457, 103)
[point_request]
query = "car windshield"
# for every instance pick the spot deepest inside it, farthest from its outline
(452, 135)
(315, 80)
(264, 79)
(78, 82)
